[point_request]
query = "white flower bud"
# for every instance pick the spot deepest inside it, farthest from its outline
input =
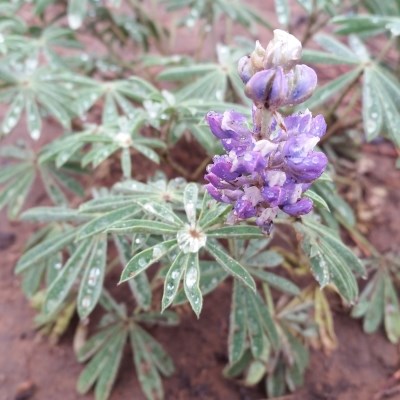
(257, 57)
(283, 50)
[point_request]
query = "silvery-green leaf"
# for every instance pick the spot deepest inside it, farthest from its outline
(145, 258)
(237, 324)
(190, 196)
(237, 231)
(45, 249)
(13, 114)
(191, 283)
(392, 312)
(108, 374)
(76, 13)
(33, 118)
(230, 264)
(172, 279)
(162, 212)
(48, 214)
(142, 226)
(317, 199)
(92, 281)
(126, 164)
(61, 286)
(100, 224)
(148, 375)
(282, 11)
(95, 343)
(93, 369)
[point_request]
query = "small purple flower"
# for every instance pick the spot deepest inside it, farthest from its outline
(303, 206)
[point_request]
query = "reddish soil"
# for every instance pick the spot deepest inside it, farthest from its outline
(362, 367)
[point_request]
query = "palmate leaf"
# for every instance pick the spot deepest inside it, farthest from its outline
(102, 368)
(145, 366)
(105, 350)
(379, 305)
(330, 260)
(19, 176)
(39, 91)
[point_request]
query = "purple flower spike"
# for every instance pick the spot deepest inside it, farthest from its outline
(270, 166)
(303, 206)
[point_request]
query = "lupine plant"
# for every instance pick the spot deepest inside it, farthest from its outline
(135, 238)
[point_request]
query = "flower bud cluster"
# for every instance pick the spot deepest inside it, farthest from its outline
(268, 167)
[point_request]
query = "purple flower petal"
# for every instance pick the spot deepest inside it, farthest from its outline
(303, 206)
(259, 86)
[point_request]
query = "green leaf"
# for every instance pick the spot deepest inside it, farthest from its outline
(337, 48)
(100, 361)
(237, 324)
(237, 231)
(96, 342)
(76, 12)
(254, 325)
(191, 283)
(159, 356)
(230, 264)
(107, 376)
(45, 249)
(317, 199)
(145, 258)
(268, 321)
(13, 114)
(276, 281)
(148, 375)
(93, 278)
(103, 222)
(61, 286)
(49, 214)
(142, 226)
(33, 119)
(190, 196)
(392, 312)
(162, 212)
(375, 312)
(172, 279)
(372, 107)
(282, 11)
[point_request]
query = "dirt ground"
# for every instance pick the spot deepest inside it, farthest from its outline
(362, 368)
